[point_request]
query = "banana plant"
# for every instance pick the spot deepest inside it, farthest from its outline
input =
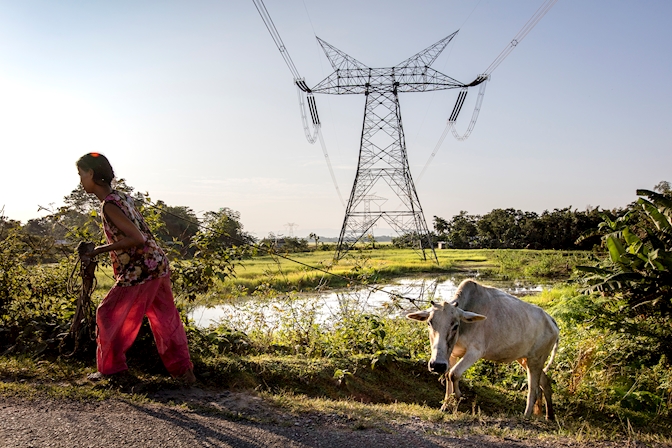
(639, 262)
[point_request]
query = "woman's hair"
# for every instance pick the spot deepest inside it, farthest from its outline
(102, 170)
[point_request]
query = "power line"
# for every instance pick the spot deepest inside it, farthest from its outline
(482, 80)
(268, 21)
(541, 12)
(302, 89)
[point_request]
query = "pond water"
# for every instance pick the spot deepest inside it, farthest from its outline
(389, 299)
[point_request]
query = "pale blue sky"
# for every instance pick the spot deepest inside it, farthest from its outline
(192, 102)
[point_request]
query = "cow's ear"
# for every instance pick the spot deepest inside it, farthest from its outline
(468, 316)
(422, 316)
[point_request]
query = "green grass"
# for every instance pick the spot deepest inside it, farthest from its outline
(384, 264)
(381, 265)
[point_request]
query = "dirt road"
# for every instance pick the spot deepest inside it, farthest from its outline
(222, 420)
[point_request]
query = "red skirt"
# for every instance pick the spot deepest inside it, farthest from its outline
(119, 318)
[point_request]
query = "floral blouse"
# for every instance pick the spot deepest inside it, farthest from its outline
(138, 264)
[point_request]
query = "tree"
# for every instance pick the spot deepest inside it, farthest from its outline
(41, 227)
(6, 225)
(225, 226)
(515, 229)
(664, 188)
(180, 224)
(217, 246)
(81, 201)
(314, 237)
(411, 240)
(505, 228)
(294, 244)
(462, 231)
(441, 225)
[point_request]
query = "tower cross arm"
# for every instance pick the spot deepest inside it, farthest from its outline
(403, 79)
(345, 81)
(423, 79)
(427, 56)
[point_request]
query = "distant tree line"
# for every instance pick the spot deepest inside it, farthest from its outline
(175, 227)
(517, 229)
(562, 229)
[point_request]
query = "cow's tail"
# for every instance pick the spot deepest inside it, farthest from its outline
(554, 351)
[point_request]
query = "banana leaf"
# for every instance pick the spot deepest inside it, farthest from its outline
(659, 219)
(658, 198)
(630, 237)
(615, 248)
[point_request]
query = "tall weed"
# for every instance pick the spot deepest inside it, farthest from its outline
(614, 369)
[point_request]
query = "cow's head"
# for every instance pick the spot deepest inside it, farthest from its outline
(444, 328)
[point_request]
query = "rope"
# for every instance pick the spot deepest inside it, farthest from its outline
(84, 321)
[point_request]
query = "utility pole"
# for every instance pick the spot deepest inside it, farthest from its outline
(383, 161)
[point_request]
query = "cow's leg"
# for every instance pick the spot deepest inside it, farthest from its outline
(449, 384)
(533, 376)
(539, 403)
(460, 367)
(546, 388)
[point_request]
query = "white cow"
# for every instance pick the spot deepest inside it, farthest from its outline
(483, 322)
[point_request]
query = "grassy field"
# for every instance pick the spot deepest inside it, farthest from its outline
(294, 272)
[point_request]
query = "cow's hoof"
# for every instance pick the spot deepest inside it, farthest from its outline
(450, 404)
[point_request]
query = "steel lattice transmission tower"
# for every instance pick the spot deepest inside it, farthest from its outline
(383, 162)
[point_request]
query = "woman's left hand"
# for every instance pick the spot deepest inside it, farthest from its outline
(89, 255)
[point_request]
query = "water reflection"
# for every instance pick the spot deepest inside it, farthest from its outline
(325, 309)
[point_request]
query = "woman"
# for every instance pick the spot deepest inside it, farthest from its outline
(142, 285)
